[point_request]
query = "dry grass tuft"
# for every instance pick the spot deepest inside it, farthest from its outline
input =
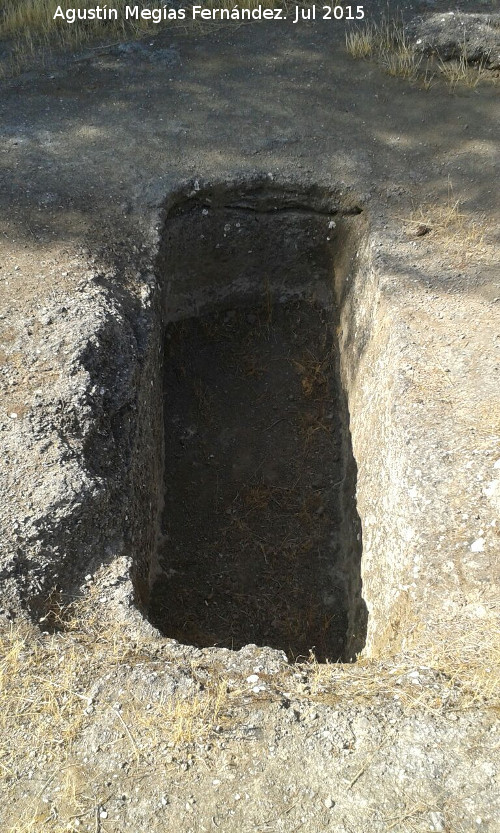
(468, 657)
(450, 227)
(30, 28)
(402, 63)
(232, 4)
(361, 43)
(388, 44)
(32, 21)
(460, 660)
(462, 72)
(315, 372)
(47, 704)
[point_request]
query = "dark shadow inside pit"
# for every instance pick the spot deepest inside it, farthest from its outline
(260, 540)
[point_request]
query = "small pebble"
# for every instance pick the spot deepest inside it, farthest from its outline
(437, 822)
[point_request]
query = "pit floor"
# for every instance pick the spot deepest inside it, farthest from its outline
(250, 532)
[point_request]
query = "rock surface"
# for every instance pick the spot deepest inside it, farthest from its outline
(111, 726)
(454, 34)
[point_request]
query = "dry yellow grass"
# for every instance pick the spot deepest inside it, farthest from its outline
(461, 72)
(361, 42)
(388, 44)
(47, 708)
(32, 21)
(315, 372)
(402, 62)
(246, 4)
(30, 28)
(464, 653)
(451, 228)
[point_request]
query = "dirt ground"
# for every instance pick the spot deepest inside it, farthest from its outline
(109, 725)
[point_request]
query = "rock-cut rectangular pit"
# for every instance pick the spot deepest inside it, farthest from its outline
(259, 539)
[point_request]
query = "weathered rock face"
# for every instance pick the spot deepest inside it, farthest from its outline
(232, 243)
(86, 503)
(475, 37)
